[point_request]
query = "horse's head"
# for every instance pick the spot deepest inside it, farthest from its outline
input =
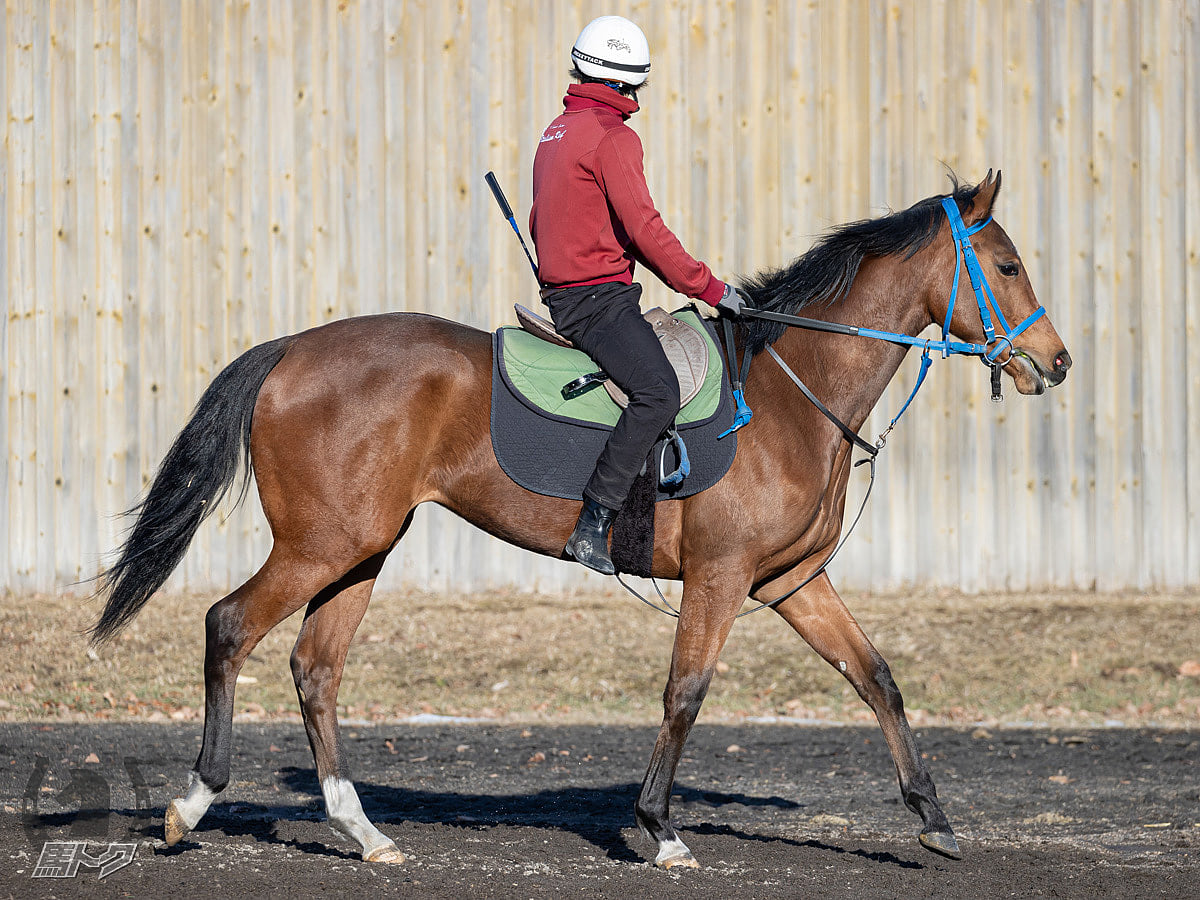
(995, 304)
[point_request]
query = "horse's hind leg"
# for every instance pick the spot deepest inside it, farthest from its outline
(821, 618)
(233, 627)
(317, 664)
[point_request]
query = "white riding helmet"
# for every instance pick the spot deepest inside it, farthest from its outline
(611, 48)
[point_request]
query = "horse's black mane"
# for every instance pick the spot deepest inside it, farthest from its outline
(824, 274)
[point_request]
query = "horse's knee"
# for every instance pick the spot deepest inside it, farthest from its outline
(881, 678)
(683, 698)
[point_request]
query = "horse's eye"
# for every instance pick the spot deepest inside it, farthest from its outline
(1008, 270)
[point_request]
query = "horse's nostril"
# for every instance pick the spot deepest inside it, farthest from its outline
(1062, 362)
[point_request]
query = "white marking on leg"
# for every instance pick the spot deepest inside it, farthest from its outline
(346, 816)
(199, 798)
(671, 849)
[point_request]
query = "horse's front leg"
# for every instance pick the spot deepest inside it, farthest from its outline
(706, 614)
(821, 618)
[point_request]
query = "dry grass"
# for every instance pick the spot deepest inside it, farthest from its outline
(1074, 659)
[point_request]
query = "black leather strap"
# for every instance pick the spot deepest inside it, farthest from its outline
(850, 434)
(583, 384)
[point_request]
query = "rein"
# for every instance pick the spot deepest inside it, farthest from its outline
(964, 257)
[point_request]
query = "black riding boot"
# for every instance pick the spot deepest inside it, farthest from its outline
(588, 543)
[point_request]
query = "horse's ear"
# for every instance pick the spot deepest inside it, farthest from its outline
(984, 199)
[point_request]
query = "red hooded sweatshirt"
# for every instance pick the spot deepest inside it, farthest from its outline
(592, 215)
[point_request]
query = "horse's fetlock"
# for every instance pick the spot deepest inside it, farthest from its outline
(214, 779)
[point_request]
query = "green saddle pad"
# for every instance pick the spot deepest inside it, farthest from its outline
(537, 370)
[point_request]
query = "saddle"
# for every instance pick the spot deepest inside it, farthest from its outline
(547, 442)
(686, 349)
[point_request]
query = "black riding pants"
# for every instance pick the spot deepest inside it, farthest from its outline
(604, 321)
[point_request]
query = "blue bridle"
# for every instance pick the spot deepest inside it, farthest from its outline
(964, 255)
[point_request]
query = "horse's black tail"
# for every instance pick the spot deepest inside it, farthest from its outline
(196, 473)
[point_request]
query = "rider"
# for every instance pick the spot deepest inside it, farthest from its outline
(592, 218)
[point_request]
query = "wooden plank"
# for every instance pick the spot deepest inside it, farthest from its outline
(263, 312)
(126, 56)
(46, 307)
(326, 184)
(1131, 567)
(21, 289)
(193, 361)
(213, 353)
(1107, 475)
(92, 541)
(1147, 276)
(1168, 85)
(177, 387)
(1156, 537)
(302, 231)
(1191, 284)
(238, 332)
(1118, 532)
(1079, 392)
(280, 197)
(152, 353)
(5, 217)
(110, 344)
(369, 219)
(68, 566)
(1059, 497)
(396, 151)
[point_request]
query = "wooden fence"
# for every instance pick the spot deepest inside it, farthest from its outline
(182, 180)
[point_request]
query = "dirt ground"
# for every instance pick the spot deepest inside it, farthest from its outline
(1070, 660)
(1068, 767)
(546, 811)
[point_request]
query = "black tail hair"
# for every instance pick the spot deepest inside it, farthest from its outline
(196, 473)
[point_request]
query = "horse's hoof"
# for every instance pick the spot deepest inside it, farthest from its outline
(389, 853)
(174, 828)
(941, 843)
(675, 853)
(683, 861)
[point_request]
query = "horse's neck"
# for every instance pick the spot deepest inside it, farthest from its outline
(849, 374)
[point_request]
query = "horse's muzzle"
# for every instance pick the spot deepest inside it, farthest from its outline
(1058, 371)
(1032, 376)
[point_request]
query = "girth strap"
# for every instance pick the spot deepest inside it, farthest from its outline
(737, 377)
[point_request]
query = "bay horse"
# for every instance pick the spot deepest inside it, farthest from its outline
(349, 426)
